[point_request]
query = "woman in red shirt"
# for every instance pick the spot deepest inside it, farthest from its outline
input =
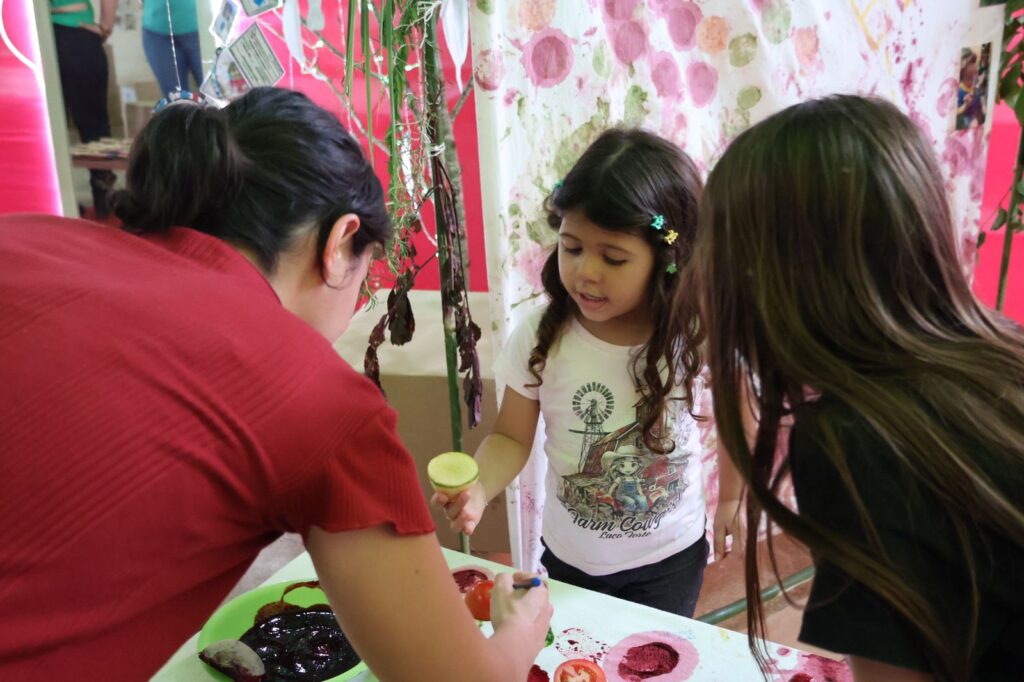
(172, 403)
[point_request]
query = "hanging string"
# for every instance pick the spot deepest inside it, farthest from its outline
(174, 51)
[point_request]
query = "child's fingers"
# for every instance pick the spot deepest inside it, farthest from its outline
(466, 521)
(456, 504)
(439, 499)
(719, 544)
(524, 576)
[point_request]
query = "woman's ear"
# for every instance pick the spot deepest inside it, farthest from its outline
(338, 256)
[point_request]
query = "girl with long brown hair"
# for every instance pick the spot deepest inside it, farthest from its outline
(602, 362)
(828, 270)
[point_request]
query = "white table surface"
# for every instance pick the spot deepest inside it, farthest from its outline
(589, 620)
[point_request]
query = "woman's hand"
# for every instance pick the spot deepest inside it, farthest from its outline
(102, 32)
(465, 509)
(729, 522)
(524, 614)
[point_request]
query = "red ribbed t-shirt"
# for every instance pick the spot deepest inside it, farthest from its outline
(162, 418)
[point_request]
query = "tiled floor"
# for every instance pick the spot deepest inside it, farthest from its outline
(723, 585)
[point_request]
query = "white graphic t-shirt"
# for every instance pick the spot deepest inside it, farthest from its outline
(611, 504)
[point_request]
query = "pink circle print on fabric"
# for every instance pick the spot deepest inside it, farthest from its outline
(630, 41)
(702, 80)
(488, 69)
(654, 656)
(682, 24)
(666, 77)
(536, 14)
(619, 9)
(547, 57)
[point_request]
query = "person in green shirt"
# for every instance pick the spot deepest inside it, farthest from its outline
(170, 38)
(84, 73)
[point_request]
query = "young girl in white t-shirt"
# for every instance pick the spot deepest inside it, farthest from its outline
(625, 504)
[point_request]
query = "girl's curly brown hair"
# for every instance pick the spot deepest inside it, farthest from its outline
(621, 182)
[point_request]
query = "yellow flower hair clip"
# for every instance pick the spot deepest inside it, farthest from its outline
(670, 237)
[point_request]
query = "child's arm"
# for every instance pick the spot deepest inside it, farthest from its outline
(501, 456)
(729, 519)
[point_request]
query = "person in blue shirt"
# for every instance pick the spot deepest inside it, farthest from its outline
(170, 39)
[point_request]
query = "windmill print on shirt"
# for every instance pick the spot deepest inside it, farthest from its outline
(620, 488)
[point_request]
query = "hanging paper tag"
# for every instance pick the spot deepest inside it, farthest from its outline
(257, 60)
(455, 21)
(246, 63)
(257, 7)
(224, 22)
(314, 16)
(226, 81)
(291, 26)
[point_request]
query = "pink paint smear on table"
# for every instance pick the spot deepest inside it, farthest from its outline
(656, 656)
(815, 668)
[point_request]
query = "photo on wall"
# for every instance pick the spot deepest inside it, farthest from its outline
(224, 21)
(972, 91)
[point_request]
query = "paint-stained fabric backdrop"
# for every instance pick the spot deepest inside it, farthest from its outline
(550, 76)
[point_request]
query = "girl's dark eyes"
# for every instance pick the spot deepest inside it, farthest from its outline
(576, 250)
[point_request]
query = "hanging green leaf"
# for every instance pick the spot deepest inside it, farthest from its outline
(350, 44)
(364, 30)
(1000, 220)
(981, 239)
(1009, 84)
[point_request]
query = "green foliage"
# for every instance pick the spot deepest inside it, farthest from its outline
(1010, 89)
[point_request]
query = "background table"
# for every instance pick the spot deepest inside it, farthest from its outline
(587, 624)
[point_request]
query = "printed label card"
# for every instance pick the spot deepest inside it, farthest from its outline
(256, 58)
(224, 22)
(973, 86)
(256, 7)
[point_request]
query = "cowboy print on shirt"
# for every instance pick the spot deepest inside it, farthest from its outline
(620, 488)
(608, 504)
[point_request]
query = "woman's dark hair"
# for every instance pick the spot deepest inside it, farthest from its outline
(257, 173)
(827, 265)
(620, 183)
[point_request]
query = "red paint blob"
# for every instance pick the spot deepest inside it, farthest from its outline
(468, 577)
(576, 643)
(537, 674)
(661, 656)
(648, 660)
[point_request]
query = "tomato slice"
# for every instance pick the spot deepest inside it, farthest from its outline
(579, 670)
(478, 599)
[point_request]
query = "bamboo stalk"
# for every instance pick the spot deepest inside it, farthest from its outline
(436, 110)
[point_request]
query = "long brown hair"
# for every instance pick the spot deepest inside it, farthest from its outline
(622, 181)
(827, 264)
